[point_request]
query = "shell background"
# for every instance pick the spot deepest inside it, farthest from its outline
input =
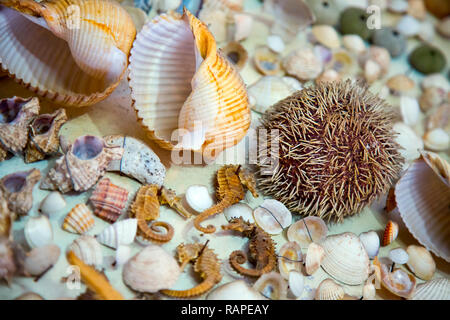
(116, 116)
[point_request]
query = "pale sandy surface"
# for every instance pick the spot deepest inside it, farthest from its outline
(116, 116)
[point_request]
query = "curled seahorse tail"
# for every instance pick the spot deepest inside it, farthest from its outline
(236, 259)
(198, 290)
(218, 208)
(151, 233)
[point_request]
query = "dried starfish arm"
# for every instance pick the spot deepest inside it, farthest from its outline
(94, 280)
(170, 198)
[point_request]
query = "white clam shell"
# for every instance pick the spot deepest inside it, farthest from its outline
(408, 140)
(437, 139)
(272, 216)
(121, 232)
(275, 43)
(88, 250)
(269, 90)
(408, 26)
(151, 270)
(345, 259)
(307, 230)
(420, 262)
(239, 210)
(38, 231)
(235, 290)
(272, 286)
(314, 258)
(399, 256)
(198, 198)
(296, 283)
(437, 289)
(326, 35)
(329, 290)
(423, 200)
(371, 242)
(138, 160)
(372, 71)
(410, 110)
(354, 43)
(290, 259)
(123, 254)
(40, 259)
(53, 203)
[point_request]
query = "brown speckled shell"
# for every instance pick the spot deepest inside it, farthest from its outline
(14, 134)
(108, 200)
(47, 143)
(20, 197)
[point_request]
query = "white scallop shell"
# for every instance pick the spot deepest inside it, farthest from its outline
(239, 209)
(437, 289)
(345, 259)
(296, 283)
(121, 232)
(423, 200)
(371, 243)
(41, 259)
(88, 250)
(314, 258)
(272, 216)
(307, 230)
(151, 270)
(234, 290)
(329, 290)
(53, 203)
(38, 231)
(290, 258)
(198, 198)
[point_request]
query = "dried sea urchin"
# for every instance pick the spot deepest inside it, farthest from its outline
(336, 150)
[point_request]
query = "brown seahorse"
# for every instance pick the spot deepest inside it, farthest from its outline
(169, 197)
(205, 262)
(231, 180)
(146, 208)
(261, 249)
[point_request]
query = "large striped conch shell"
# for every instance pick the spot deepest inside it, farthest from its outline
(73, 52)
(180, 81)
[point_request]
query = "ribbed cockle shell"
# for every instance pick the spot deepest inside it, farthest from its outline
(108, 200)
(180, 81)
(79, 220)
(73, 52)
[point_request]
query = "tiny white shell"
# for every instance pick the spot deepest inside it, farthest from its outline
(121, 232)
(372, 71)
(437, 140)
(40, 259)
(52, 203)
(354, 43)
(369, 291)
(399, 256)
(435, 80)
(329, 290)
(314, 258)
(38, 231)
(272, 216)
(123, 254)
(296, 283)
(371, 243)
(234, 290)
(198, 198)
(410, 110)
(275, 43)
(398, 6)
(239, 210)
(408, 26)
(88, 250)
(409, 141)
(244, 24)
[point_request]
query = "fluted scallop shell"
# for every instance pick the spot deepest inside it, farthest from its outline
(15, 115)
(437, 289)
(72, 52)
(314, 258)
(108, 200)
(290, 258)
(17, 189)
(345, 259)
(307, 230)
(180, 81)
(138, 160)
(272, 286)
(329, 290)
(272, 216)
(38, 231)
(423, 200)
(151, 270)
(41, 259)
(88, 250)
(79, 220)
(390, 233)
(44, 135)
(83, 163)
(120, 233)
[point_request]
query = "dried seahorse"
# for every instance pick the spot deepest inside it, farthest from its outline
(231, 180)
(169, 197)
(94, 280)
(146, 208)
(261, 249)
(206, 263)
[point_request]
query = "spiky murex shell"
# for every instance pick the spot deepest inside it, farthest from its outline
(336, 154)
